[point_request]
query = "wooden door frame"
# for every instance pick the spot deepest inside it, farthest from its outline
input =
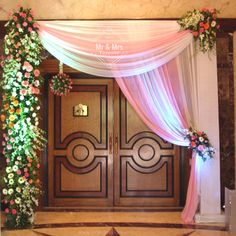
(49, 67)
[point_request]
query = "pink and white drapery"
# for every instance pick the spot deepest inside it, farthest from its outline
(154, 65)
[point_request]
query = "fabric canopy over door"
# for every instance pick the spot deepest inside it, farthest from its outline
(162, 77)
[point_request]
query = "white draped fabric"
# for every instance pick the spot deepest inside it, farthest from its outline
(114, 48)
(154, 65)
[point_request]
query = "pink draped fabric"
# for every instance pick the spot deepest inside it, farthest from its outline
(114, 48)
(157, 82)
(155, 97)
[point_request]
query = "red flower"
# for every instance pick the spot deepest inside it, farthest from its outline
(193, 144)
(199, 133)
(13, 211)
(195, 33)
(26, 175)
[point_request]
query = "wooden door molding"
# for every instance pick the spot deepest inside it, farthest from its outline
(80, 164)
(146, 166)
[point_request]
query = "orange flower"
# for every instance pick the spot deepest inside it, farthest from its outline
(13, 98)
(12, 110)
(16, 103)
(6, 106)
(206, 26)
(18, 111)
(4, 97)
(30, 181)
(11, 125)
(3, 117)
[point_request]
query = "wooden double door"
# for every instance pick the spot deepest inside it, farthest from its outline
(107, 157)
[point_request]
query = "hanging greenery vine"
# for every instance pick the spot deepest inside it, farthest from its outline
(19, 115)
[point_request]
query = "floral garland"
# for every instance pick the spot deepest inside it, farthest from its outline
(204, 26)
(60, 84)
(19, 115)
(199, 143)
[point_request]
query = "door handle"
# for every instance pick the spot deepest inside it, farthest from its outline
(110, 143)
(116, 144)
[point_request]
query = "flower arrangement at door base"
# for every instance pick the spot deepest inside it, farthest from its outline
(199, 143)
(204, 26)
(22, 137)
(60, 84)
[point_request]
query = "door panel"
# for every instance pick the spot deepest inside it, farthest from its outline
(110, 157)
(146, 166)
(79, 162)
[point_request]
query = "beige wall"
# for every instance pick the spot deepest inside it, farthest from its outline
(106, 9)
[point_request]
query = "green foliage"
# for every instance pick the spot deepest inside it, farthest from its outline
(22, 136)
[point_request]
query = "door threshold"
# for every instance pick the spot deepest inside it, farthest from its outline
(113, 209)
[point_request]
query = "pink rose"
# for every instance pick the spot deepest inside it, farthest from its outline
(27, 74)
(18, 172)
(30, 29)
(12, 202)
(25, 24)
(36, 73)
(26, 175)
(202, 30)
(25, 83)
(29, 18)
(27, 66)
(18, 25)
(7, 210)
(15, 18)
(35, 25)
(23, 91)
(7, 160)
(13, 211)
(25, 169)
(9, 147)
(201, 24)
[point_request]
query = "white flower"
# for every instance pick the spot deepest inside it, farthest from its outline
(8, 169)
(10, 191)
(21, 180)
(10, 176)
(213, 23)
(4, 191)
(21, 98)
(11, 181)
(17, 200)
(201, 139)
(18, 189)
(27, 103)
(34, 114)
(15, 168)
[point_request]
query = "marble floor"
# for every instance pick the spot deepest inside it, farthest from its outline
(115, 223)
